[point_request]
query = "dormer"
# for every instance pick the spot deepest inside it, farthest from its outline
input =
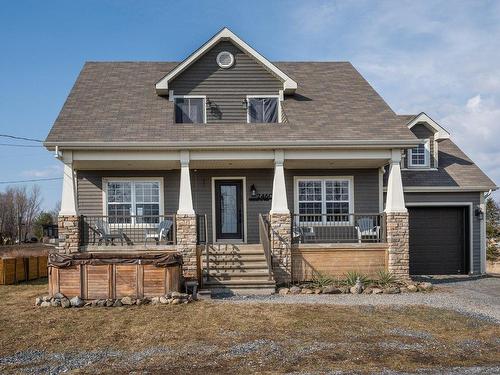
(425, 155)
(226, 81)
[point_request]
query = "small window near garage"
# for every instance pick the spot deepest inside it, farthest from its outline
(419, 157)
(133, 201)
(189, 110)
(263, 110)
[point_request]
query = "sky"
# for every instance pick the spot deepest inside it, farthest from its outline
(440, 57)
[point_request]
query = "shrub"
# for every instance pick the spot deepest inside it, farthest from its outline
(320, 280)
(385, 278)
(351, 277)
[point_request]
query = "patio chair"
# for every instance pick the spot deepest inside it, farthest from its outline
(301, 234)
(366, 227)
(101, 227)
(158, 233)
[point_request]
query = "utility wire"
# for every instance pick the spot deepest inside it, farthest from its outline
(34, 180)
(14, 145)
(23, 138)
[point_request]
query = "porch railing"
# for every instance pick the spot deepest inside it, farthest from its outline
(265, 240)
(127, 230)
(338, 228)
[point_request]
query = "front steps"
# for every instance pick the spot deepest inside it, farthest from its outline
(237, 269)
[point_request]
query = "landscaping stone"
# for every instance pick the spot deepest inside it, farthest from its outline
(164, 300)
(176, 301)
(55, 302)
(155, 300)
(403, 289)
(306, 291)
(412, 288)
(38, 301)
(377, 291)
(109, 303)
(317, 291)
(345, 290)
(45, 304)
(331, 290)
(76, 302)
(117, 303)
(368, 290)
(425, 286)
(127, 301)
(294, 290)
(46, 299)
(65, 303)
(392, 290)
(283, 291)
(101, 303)
(59, 295)
(139, 302)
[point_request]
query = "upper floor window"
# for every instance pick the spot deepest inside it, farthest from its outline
(189, 109)
(263, 109)
(420, 156)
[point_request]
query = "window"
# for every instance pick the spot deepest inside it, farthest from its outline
(133, 201)
(263, 109)
(189, 110)
(324, 199)
(419, 156)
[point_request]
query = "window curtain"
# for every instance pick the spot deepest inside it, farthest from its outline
(263, 109)
(188, 110)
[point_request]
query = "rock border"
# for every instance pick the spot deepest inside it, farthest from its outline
(357, 289)
(60, 300)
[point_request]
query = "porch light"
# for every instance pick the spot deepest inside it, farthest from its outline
(478, 212)
(244, 103)
(253, 191)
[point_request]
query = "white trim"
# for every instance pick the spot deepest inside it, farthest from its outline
(289, 85)
(381, 172)
(264, 96)
(440, 132)
(427, 154)
(225, 66)
(214, 229)
(470, 205)
(106, 180)
(204, 97)
(444, 189)
(297, 179)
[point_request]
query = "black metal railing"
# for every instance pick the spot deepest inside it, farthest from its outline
(127, 230)
(341, 228)
(201, 229)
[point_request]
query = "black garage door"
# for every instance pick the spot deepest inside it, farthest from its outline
(438, 240)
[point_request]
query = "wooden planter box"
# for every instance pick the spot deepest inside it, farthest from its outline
(114, 280)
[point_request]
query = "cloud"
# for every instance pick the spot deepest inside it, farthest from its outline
(49, 171)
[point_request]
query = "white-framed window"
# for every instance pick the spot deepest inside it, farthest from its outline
(324, 199)
(263, 109)
(133, 201)
(190, 109)
(419, 156)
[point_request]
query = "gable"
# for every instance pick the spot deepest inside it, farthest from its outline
(422, 131)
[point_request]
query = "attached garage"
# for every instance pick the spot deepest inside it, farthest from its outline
(439, 240)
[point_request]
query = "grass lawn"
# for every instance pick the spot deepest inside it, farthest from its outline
(224, 337)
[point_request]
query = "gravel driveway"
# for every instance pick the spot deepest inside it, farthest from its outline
(477, 297)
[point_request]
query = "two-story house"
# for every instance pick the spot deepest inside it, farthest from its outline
(257, 173)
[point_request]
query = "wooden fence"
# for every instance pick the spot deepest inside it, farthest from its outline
(17, 269)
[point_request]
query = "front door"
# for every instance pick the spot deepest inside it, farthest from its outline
(229, 209)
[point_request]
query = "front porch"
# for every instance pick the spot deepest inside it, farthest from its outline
(263, 198)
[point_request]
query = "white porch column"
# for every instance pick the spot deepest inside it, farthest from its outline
(185, 195)
(68, 198)
(395, 197)
(279, 204)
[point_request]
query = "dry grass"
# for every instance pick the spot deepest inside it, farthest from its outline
(220, 337)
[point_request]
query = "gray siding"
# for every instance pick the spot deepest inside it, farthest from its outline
(456, 197)
(226, 88)
(422, 132)
(366, 186)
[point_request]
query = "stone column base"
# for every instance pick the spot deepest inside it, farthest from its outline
(281, 247)
(186, 243)
(69, 234)
(398, 241)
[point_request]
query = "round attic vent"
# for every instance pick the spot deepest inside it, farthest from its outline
(225, 59)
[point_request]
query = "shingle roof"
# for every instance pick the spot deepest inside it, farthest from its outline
(116, 101)
(455, 170)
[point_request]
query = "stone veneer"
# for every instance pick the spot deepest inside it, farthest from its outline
(186, 243)
(398, 244)
(281, 247)
(69, 234)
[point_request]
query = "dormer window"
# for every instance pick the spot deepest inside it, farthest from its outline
(190, 109)
(419, 157)
(263, 109)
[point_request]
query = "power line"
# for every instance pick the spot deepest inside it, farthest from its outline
(33, 180)
(14, 145)
(22, 138)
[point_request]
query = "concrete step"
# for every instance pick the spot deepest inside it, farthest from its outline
(231, 258)
(250, 277)
(222, 291)
(236, 266)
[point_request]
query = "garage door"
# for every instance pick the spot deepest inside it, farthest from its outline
(438, 240)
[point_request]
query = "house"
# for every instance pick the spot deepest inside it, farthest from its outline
(256, 173)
